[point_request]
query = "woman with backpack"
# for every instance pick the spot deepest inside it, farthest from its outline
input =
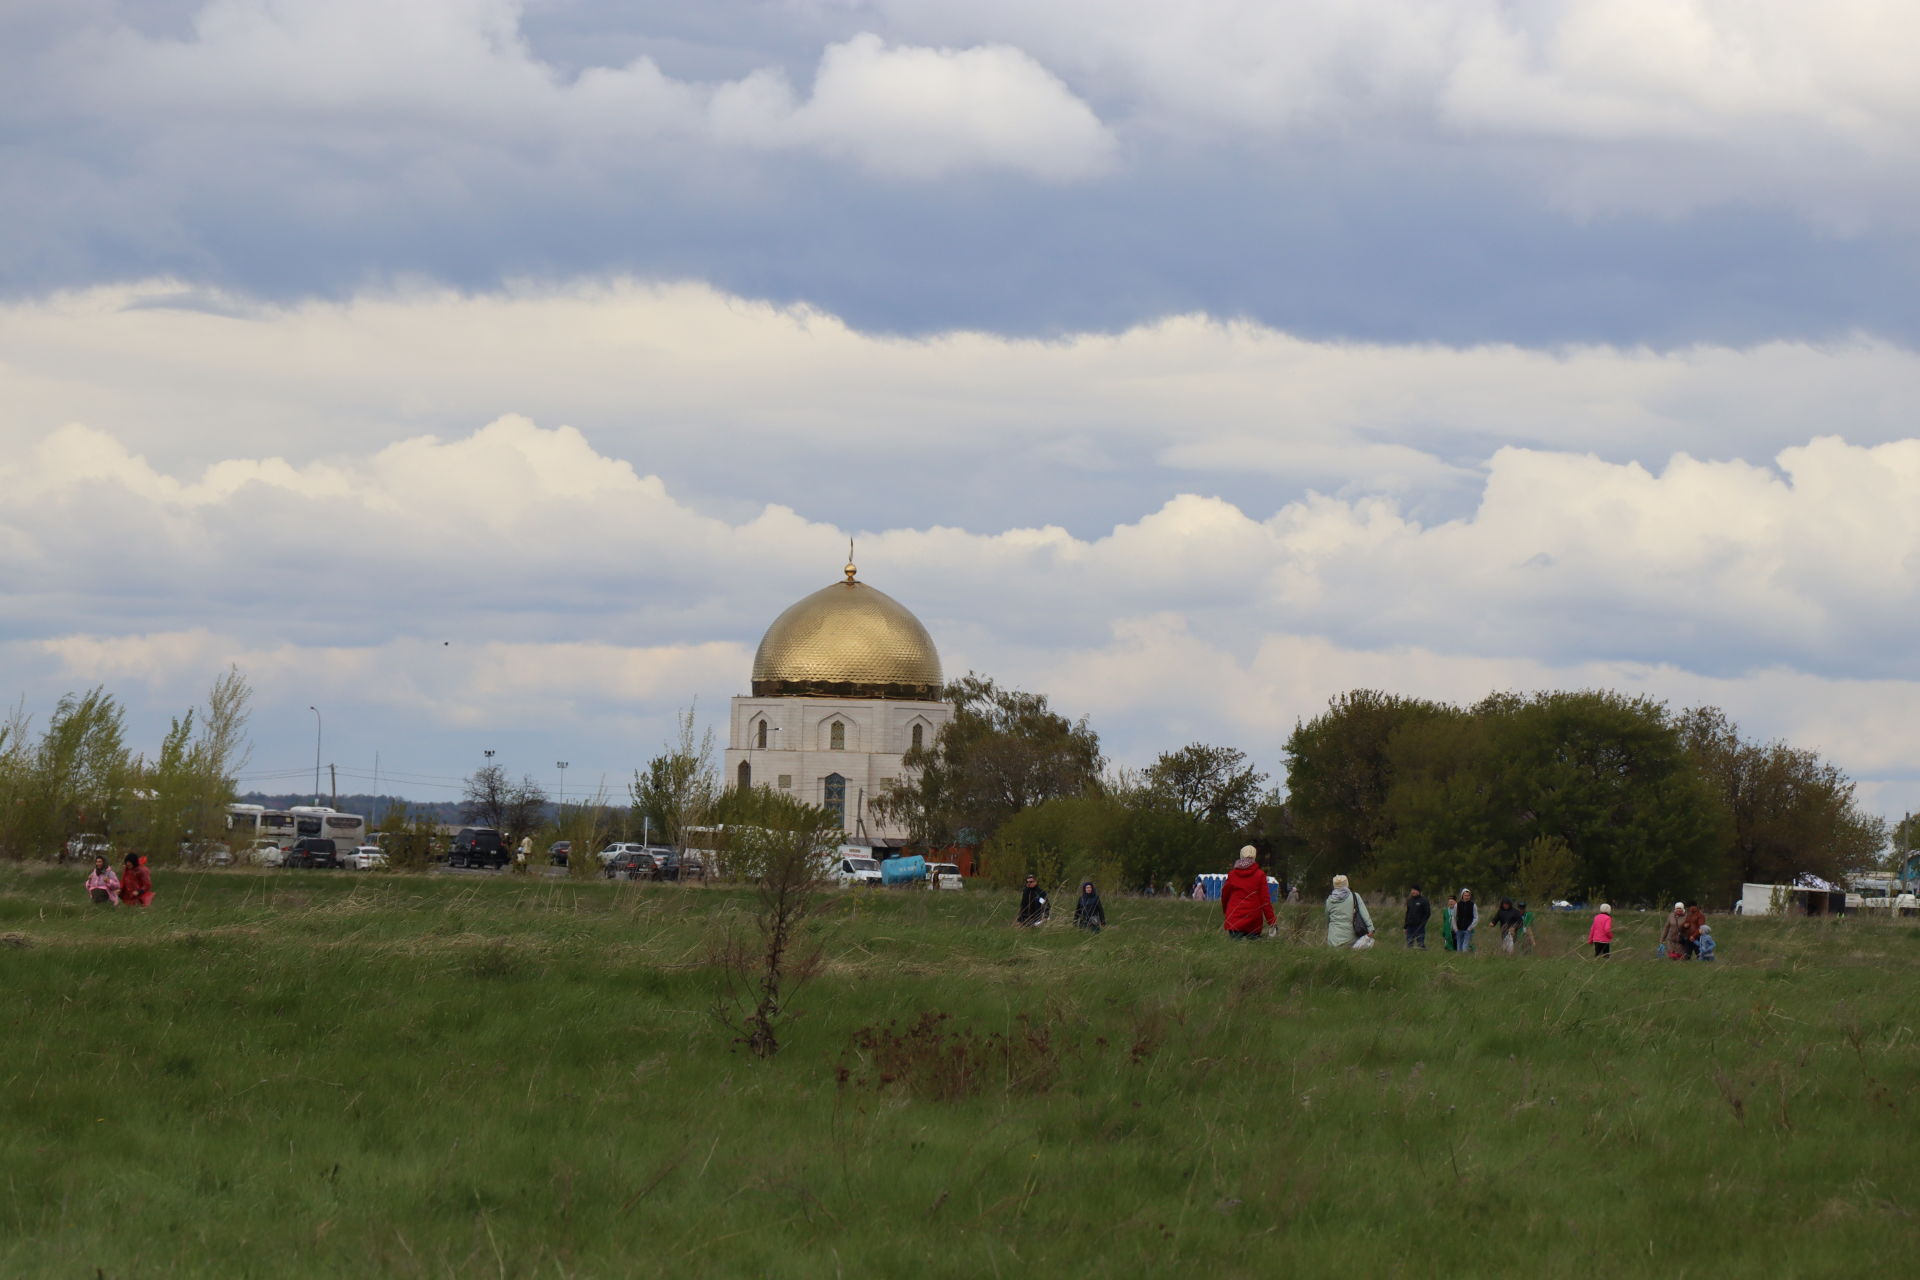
(1348, 924)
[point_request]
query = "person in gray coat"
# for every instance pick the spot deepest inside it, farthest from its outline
(1347, 918)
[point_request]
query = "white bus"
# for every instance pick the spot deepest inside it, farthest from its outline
(348, 831)
(248, 824)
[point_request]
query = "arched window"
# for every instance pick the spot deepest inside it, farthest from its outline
(746, 776)
(919, 738)
(760, 735)
(837, 737)
(836, 797)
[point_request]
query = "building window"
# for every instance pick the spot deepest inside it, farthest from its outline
(760, 735)
(786, 782)
(837, 737)
(746, 776)
(919, 738)
(836, 797)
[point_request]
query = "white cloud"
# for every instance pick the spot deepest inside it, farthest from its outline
(519, 577)
(307, 490)
(437, 72)
(765, 403)
(1658, 104)
(923, 113)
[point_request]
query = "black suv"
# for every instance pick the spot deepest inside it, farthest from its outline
(478, 847)
(312, 851)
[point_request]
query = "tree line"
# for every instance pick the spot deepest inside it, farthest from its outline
(78, 775)
(1558, 793)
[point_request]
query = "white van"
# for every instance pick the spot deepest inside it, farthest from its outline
(853, 864)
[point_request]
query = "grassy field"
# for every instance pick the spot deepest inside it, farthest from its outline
(288, 1074)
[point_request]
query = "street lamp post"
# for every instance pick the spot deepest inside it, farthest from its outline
(560, 799)
(318, 724)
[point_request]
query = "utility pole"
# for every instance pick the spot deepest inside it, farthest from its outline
(333, 776)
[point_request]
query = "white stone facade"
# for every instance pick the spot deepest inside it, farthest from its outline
(793, 746)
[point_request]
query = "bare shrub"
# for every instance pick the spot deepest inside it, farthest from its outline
(933, 1060)
(782, 847)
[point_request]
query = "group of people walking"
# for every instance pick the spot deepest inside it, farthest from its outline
(132, 887)
(1247, 912)
(1459, 920)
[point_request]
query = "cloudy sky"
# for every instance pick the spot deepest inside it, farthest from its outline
(489, 373)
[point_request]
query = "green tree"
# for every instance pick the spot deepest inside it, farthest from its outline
(79, 775)
(1339, 772)
(1004, 751)
(1788, 810)
(679, 787)
(1215, 785)
(1468, 793)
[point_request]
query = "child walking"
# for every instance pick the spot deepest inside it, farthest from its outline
(1601, 934)
(1706, 942)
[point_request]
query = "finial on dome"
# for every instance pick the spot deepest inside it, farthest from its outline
(851, 567)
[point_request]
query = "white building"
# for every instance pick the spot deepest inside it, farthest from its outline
(845, 682)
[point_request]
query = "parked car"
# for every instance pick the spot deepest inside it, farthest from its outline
(312, 851)
(210, 852)
(946, 875)
(559, 851)
(619, 847)
(367, 858)
(264, 853)
(633, 864)
(87, 846)
(478, 847)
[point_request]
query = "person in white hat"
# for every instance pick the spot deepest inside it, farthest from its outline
(1601, 934)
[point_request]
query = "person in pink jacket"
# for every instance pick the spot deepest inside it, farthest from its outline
(1601, 934)
(103, 886)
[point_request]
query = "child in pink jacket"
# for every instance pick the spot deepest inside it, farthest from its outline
(1601, 934)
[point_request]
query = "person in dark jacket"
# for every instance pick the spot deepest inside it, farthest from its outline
(1246, 904)
(1507, 920)
(1088, 914)
(1033, 904)
(1466, 916)
(1419, 910)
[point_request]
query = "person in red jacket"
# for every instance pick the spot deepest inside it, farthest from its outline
(136, 882)
(1244, 901)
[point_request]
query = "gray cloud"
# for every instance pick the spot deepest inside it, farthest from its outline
(1312, 169)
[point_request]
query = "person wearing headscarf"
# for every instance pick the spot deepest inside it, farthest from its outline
(1033, 903)
(136, 882)
(1673, 930)
(1446, 919)
(1347, 918)
(103, 886)
(1246, 905)
(1466, 914)
(1088, 914)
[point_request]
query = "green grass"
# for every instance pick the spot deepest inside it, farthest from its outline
(287, 1074)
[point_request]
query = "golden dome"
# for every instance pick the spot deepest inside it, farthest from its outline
(847, 641)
